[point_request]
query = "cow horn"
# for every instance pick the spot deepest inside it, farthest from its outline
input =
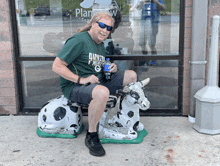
(146, 81)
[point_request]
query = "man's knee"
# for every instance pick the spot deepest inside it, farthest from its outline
(133, 76)
(101, 93)
(130, 77)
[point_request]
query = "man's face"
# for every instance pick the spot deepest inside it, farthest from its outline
(100, 34)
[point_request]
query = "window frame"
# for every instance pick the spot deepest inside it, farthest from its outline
(151, 112)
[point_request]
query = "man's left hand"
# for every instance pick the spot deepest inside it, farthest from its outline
(113, 68)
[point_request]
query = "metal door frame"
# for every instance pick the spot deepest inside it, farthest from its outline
(150, 112)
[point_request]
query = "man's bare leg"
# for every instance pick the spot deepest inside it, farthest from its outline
(100, 95)
(96, 108)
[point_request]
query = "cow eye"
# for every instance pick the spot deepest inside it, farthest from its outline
(134, 95)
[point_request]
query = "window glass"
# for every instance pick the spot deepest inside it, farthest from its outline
(40, 83)
(155, 28)
(162, 91)
(45, 25)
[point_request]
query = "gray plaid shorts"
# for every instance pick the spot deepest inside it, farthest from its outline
(83, 94)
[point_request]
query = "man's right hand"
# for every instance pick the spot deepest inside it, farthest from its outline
(91, 79)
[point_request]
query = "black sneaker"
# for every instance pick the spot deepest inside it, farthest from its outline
(93, 143)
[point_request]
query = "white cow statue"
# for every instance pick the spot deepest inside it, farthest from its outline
(121, 119)
(59, 116)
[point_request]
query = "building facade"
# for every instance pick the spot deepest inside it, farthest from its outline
(28, 45)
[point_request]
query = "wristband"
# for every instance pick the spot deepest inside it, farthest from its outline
(78, 80)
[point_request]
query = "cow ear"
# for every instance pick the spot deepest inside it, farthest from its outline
(126, 89)
(145, 82)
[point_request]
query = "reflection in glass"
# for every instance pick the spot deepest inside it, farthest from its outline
(40, 83)
(167, 40)
(162, 91)
(44, 26)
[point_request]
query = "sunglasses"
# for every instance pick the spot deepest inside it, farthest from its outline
(102, 25)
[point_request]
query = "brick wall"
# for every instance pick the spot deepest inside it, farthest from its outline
(213, 9)
(187, 56)
(8, 101)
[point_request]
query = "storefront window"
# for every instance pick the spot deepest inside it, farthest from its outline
(140, 31)
(40, 83)
(155, 26)
(47, 24)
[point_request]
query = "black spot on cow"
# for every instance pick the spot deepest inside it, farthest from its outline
(121, 99)
(130, 114)
(74, 125)
(118, 124)
(79, 119)
(59, 113)
(118, 114)
(133, 133)
(44, 118)
(135, 127)
(110, 124)
(45, 110)
(74, 109)
(128, 122)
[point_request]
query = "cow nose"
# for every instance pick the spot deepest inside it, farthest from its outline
(145, 104)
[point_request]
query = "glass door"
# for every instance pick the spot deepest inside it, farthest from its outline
(147, 38)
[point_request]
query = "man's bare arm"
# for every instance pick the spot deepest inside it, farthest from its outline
(60, 67)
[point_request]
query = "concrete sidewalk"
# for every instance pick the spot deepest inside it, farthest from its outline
(170, 141)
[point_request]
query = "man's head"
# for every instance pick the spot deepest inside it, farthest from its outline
(101, 25)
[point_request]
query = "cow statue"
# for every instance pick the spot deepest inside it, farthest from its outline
(61, 118)
(123, 121)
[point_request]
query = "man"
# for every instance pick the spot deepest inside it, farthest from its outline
(82, 80)
(149, 25)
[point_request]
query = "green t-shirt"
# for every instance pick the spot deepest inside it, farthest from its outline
(84, 58)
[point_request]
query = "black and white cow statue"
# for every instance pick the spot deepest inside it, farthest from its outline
(123, 121)
(120, 120)
(59, 116)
